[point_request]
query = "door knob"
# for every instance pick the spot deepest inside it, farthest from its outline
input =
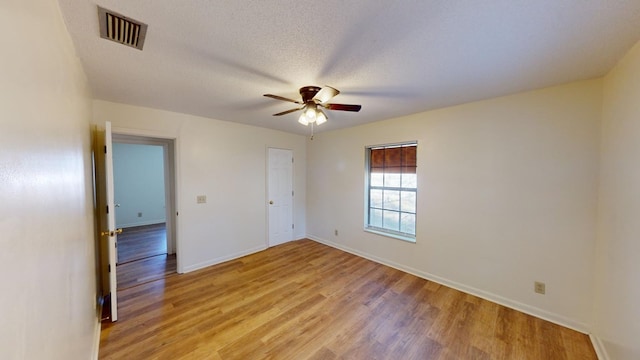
(271, 202)
(111, 233)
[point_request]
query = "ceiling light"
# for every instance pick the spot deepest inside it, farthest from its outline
(321, 118)
(310, 112)
(313, 100)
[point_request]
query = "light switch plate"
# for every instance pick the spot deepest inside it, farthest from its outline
(201, 199)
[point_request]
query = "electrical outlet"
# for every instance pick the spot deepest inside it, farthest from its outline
(201, 199)
(335, 232)
(139, 214)
(539, 287)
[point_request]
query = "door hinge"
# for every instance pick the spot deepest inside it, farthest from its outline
(177, 213)
(109, 267)
(293, 226)
(105, 149)
(107, 209)
(291, 192)
(292, 160)
(116, 244)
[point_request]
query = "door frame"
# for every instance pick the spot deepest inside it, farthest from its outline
(170, 146)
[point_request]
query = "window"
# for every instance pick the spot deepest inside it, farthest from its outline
(391, 190)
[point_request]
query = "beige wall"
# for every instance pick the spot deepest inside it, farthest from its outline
(224, 161)
(506, 196)
(47, 287)
(618, 251)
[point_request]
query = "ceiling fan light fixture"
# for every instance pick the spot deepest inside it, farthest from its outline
(303, 119)
(311, 112)
(313, 99)
(321, 117)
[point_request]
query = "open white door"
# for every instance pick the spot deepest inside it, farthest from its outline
(107, 219)
(280, 193)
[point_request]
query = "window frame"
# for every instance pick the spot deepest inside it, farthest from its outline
(367, 198)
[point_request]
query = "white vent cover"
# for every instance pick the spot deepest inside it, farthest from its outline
(121, 29)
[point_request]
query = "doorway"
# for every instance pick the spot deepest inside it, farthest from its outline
(144, 185)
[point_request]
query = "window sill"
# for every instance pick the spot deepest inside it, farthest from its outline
(391, 235)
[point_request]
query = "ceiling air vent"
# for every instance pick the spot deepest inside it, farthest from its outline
(121, 29)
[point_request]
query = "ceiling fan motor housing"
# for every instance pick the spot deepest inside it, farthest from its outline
(308, 92)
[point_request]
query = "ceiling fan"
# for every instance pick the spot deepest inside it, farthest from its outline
(313, 99)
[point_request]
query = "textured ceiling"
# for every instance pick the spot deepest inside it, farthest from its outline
(216, 58)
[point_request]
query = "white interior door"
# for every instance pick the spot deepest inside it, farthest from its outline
(107, 219)
(280, 195)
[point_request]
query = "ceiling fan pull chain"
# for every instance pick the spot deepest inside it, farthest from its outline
(311, 131)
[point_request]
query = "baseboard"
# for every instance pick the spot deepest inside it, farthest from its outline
(599, 347)
(527, 309)
(222, 259)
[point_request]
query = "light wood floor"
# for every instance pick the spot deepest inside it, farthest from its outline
(304, 300)
(143, 271)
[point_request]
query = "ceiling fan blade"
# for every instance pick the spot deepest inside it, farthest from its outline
(282, 98)
(286, 112)
(325, 94)
(343, 107)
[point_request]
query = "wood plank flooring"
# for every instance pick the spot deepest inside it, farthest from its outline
(142, 256)
(140, 242)
(304, 300)
(143, 271)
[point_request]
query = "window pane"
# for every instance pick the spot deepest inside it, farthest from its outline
(408, 201)
(375, 218)
(392, 183)
(409, 181)
(391, 220)
(391, 200)
(376, 179)
(375, 199)
(392, 179)
(408, 223)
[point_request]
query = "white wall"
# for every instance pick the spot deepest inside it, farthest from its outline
(506, 196)
(48, 282)
(226, 162)
(138, 174)
(618, 252)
